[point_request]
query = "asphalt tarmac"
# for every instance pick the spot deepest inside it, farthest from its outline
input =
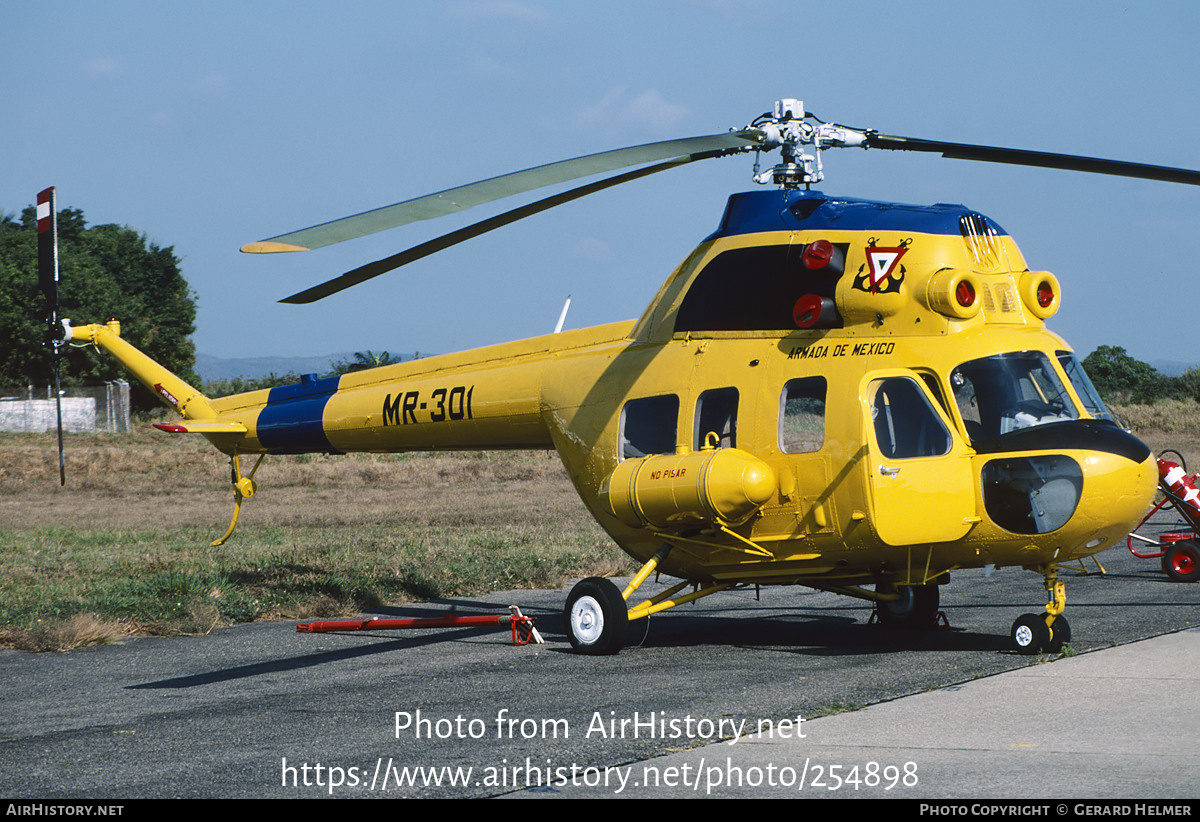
(261, 710)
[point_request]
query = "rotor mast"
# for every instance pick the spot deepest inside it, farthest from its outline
(788, 129)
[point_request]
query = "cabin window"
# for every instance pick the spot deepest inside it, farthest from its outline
(906, 425)
(716, 412)
(802, 415)
(648, 426)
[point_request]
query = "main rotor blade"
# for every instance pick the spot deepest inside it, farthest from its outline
(371, 270)
(468, 196)
(1042, 159)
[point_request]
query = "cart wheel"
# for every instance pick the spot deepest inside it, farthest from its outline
(1030, 634)
(596, 617)
(1060, 635)
(1182, 561)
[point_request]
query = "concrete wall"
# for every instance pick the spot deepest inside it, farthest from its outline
(84, 409)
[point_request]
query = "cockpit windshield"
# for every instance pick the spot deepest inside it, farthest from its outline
(1007, 392)
(1083, 386)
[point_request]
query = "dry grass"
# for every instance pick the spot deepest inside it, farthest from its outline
(126, 542)
(79, 631)
(1173, 424)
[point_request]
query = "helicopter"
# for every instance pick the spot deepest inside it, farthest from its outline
(855, 396)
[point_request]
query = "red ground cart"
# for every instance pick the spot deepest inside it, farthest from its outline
(1179, 551)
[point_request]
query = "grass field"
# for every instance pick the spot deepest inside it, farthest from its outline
(124, 547)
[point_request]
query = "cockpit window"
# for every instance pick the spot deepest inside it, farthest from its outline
(1083, 386)
(1007, 392)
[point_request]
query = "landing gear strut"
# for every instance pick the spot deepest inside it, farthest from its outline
(1049, 632)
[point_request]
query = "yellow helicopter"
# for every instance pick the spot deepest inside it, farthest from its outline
(854, 396)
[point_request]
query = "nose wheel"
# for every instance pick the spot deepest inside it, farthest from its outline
(1044, 633)
(1032, 635)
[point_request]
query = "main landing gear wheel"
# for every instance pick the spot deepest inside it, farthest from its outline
(1030, 635)
(916, 608)
(596, 617)
(1060, 635)
(1182, 561)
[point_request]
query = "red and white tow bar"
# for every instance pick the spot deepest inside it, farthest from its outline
(522, 626)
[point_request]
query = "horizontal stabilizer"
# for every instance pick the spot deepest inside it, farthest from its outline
(201, 427)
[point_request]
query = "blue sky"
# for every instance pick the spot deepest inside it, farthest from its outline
(206, 125)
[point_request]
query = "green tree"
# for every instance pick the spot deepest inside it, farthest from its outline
(240, 385)
(105, 271)
(1188, 383)
(364, 360)
(1121, 378)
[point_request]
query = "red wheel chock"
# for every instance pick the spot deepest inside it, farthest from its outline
(522, 626)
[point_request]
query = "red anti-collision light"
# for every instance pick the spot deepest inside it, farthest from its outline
(965, 294)
(1045, 294)
(817, 254)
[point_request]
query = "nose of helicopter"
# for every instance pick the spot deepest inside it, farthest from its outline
(1084, 492)
(1117, 492)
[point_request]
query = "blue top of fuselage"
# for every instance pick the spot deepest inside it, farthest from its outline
(752, 212)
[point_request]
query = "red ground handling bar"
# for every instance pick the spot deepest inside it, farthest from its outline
(522, 626)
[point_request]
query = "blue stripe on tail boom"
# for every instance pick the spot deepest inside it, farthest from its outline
(293, 420)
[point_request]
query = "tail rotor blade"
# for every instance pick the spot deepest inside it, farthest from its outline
(62, 457)
(47, 228)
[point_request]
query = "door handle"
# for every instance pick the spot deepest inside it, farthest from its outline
(888, 472)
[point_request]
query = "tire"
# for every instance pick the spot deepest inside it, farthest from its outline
(1060, 635)
(917, 607)
(596, 617)
(1030, 635)
(1182, 561)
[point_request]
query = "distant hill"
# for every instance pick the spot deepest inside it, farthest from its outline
(1171, 368)
(216, 368)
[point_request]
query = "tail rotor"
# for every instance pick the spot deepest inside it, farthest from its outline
(47, 228)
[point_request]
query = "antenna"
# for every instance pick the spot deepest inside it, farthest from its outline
(562, 316)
